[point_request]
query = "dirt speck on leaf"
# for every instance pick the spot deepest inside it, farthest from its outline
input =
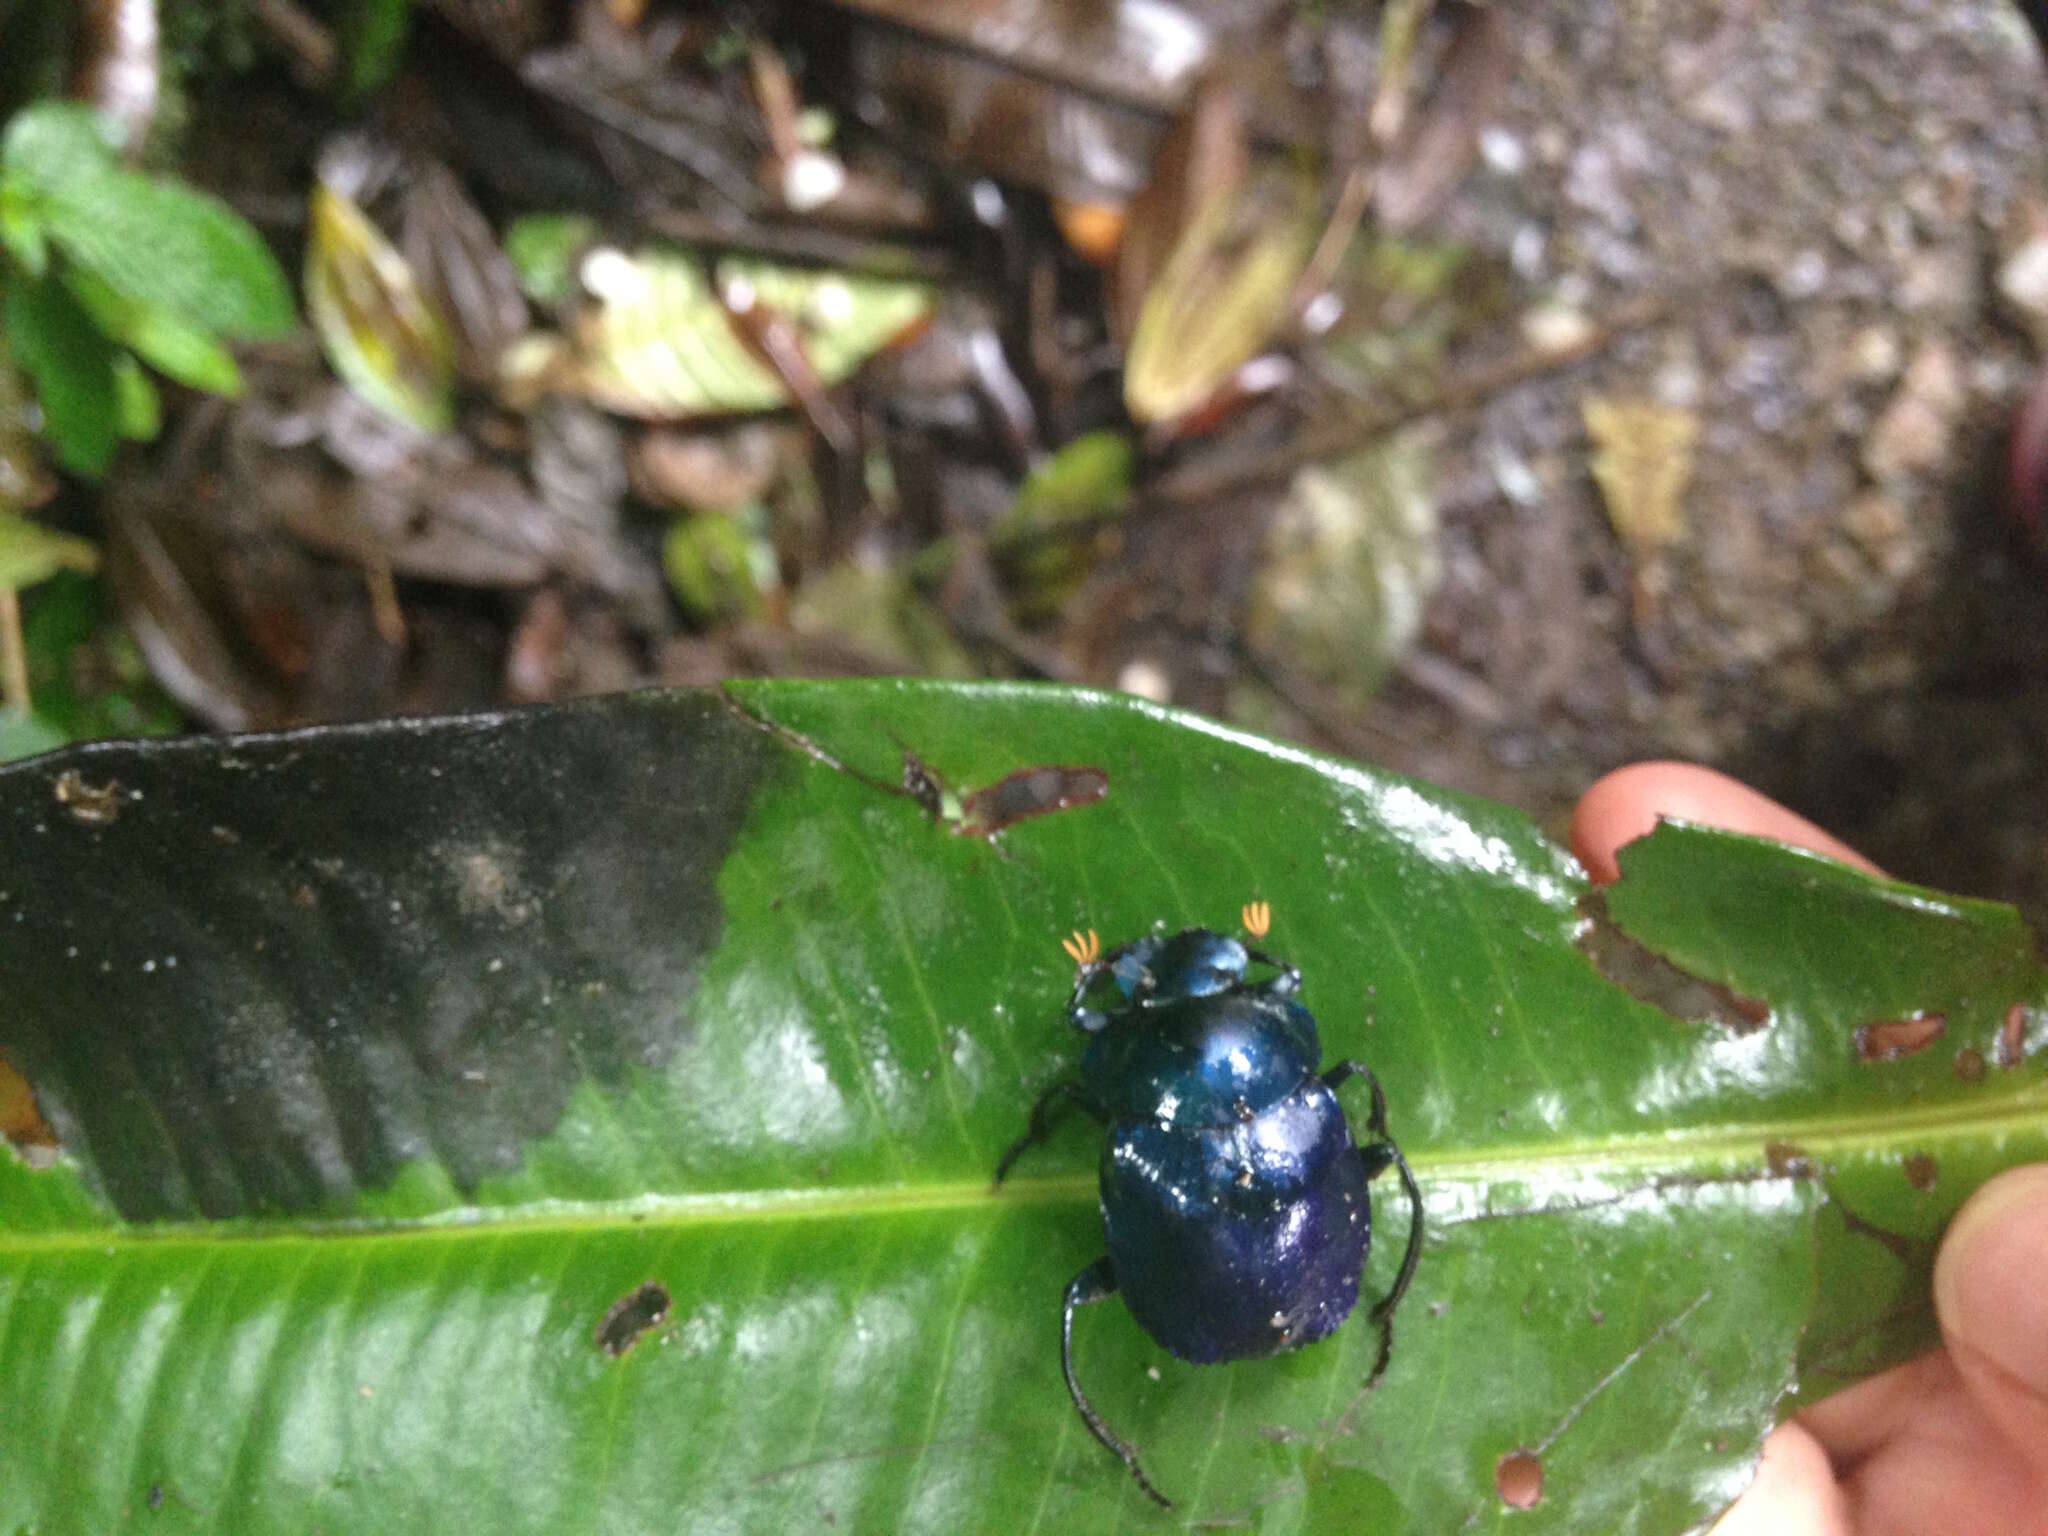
(1970, 1064)
(1787, 1160)
(1890, 1039)
(92, 805)
(487, 879)
(630, 1317)
(1919, 1171)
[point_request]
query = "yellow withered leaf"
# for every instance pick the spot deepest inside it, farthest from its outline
(1642, 462)
(1224, 292)
(380, 332)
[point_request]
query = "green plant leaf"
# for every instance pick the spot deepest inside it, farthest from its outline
(375, 43)
(1061, 523)
(543, 247)
(24, 734)
(181, 351)
(21, 230)
(170, 249)
(139, 409)
(86, 676)
(584, 1118)
(72, 364)
(51, 142)
(30, 553)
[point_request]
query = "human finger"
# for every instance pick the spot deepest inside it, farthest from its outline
(1628, 803)
(1794, 1494)
(1993, 1307)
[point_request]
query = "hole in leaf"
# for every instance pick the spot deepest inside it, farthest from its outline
(1651, 978)
(630, 1318)
(1890, 1039)
(2012, 1039)
(1029, 792)
(21, 1122)
(1519, 1477)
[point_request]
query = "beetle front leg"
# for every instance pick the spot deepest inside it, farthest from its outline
(1285, 983)
(1097, 1283)
(1378, 1155)
(1060, 1093)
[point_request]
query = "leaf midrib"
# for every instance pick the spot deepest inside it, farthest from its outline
(1719, 1150)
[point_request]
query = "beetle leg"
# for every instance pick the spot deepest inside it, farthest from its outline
(1095, 1283)
(1378, 1155)
(1062, 1092)
(1286, 983)
(1085, 977)
(1342, 1073)
(1100, 963)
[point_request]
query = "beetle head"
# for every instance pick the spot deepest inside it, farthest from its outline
(1192, 963)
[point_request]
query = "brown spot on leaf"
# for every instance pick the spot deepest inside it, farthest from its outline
(94, 805)
(1890, 1039)
(1026, 793)
(1651, 978)
(20, 1121)
(1919, 1171)
(1787, 1160)
(1519, 1477)
(1970, 1064)
(2012, 1039)
(630, 1317)
(1900, 1246)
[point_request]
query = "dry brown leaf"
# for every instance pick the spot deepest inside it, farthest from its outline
(1642, 460)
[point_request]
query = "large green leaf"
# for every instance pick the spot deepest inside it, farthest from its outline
(383, 1063)
(73, 367)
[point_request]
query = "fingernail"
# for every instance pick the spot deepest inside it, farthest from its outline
(1988, 1289)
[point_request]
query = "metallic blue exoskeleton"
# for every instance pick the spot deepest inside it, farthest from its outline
(1234, 1198)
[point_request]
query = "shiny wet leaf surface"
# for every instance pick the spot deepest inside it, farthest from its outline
(584, 1119)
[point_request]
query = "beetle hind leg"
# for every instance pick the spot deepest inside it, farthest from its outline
(1378, 1155)
(1061, 1093)
(1096, 1283)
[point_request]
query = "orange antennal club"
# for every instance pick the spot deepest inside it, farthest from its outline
(1258, 919)
(1085, 948)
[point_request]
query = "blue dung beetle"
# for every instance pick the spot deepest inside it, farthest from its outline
(1234, 1200)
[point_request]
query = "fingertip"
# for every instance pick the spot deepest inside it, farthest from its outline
(1987, 1280)
(1795, 1490)
(1629, 802)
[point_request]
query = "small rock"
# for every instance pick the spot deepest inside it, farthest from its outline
(1874, 355)
(1875, 521)
(1554, 329)
(1519, 483)
(1804, 275)
(2023, 274)
(1938, 281)
(1912, 434)
(1502, 151)
(1147, 679)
